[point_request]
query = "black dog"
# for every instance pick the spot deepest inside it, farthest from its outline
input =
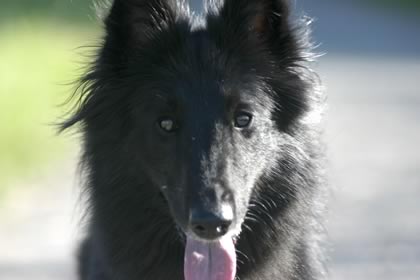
(201, 156)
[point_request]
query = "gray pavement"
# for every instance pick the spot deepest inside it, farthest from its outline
(373, 132)
(38, 226)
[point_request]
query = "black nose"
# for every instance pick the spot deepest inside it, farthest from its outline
(211, 225)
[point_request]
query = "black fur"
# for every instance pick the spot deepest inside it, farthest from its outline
(157, 61)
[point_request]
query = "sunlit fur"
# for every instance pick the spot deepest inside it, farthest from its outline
(158, 60)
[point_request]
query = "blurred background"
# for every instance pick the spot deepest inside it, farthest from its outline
(371, 72)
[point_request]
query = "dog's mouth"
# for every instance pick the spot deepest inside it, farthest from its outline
(214, 260)
(208, 260)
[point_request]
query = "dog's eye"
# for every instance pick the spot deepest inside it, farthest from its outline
(243, 120)
(168, 124)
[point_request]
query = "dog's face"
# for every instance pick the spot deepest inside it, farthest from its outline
(203, 108)
(203, 137)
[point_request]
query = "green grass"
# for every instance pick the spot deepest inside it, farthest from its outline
(38, 58)
(63, 10)
(406, 3)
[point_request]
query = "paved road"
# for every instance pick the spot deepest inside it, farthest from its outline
(373, 136)
(38, 226)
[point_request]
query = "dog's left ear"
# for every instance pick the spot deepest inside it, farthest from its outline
(266, 26)
(267, 19)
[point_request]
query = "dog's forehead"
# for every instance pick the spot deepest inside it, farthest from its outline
(210, 95)
(195, 66)
(202, 64)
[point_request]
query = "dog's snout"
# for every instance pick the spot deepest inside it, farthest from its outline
(211, 225)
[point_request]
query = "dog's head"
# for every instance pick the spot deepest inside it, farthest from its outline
(195, 108)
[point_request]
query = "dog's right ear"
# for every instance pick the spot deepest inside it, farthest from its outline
(129, 25)
(265, 19)
(132, 22)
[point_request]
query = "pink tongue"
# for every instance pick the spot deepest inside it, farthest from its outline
(210, 261)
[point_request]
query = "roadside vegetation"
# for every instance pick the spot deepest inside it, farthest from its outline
(39, 59)
(408, 6)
